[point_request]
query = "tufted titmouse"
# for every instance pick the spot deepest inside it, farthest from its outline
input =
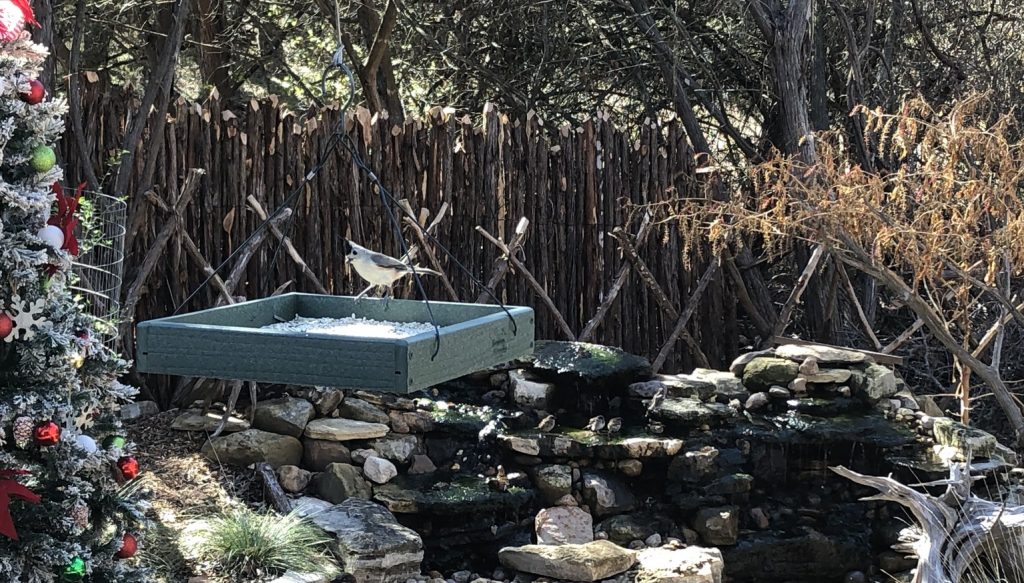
(378, 269)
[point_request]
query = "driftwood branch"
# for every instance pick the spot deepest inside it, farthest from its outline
(684, 318)
(152, 257)
(190, 246)
(892, 346)
(629, 251)
(247, 252)
(794, 297)
(862, 260)
(744, 297)
(289, 247)
(537, 287)
(957, 528)
(236, 390)
(502, 264)
(272, 489)
(620, 282)
(856, 303)
(432, 258)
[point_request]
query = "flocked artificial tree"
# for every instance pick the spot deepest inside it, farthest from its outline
(68, 511)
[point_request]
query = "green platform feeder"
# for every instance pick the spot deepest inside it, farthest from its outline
(232, 343)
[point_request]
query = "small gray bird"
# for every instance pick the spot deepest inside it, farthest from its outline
(596, 424)
(614, 425)
(656, 427)
(380, 270)
(547, 424)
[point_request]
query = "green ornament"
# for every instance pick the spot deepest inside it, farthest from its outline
(43, 158)
(114, 442)
(75, 571)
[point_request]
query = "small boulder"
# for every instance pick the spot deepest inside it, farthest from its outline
(763, 372)
(379, 470)
(756, 401)
(318, 453)
(359, 456)
(631, 468)
(421, 464)
(875, 382)
(718, 526)
(727, 385)
(339, 482)
(809, 366)
(194, 420)
(325, 400)
(606, 493)
(695, 465)
(740, 363)
(597, 366)
(964, 439)
(624, 528)
(369, 541)
(823, 354)
(553, 481)
(286, 416)
(139, 410)
(411, 422)
(593, 561)
(344, 429)
(293, 478)
(681, 565)
(531, 393)
(396, 448)
(253, 446)
(828, 375)
(360, 410)
(562, 525)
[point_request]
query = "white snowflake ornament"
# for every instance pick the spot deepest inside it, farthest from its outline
(27, 317)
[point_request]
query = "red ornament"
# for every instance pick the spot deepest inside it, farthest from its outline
(129, 546)
(129, 467)
(65, 218)
(35, 94)
(9, 487)
(46, 434)
(13, 16)
(6, 325)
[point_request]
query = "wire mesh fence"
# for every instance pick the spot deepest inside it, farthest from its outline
(99, 270)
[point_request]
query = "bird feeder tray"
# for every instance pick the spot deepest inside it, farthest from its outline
(231, 343)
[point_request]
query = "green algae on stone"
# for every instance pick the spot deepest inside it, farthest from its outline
(463, 494)
(591, 363)
(581, 443)
(766, 371)
(870, 428)
(691, 412)
(968, 441)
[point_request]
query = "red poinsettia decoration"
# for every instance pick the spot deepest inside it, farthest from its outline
(10, 488)
(65, 219)
(14, 14)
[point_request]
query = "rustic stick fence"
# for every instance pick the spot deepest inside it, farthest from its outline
(571, 183)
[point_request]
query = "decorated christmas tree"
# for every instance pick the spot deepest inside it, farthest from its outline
(68, 511)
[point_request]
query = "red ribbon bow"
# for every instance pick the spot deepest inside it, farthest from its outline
(26, 11)
(65, 218)
(10, 487)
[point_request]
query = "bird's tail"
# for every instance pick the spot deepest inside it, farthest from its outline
(424, 271)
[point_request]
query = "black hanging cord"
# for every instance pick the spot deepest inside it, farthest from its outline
(340, 136)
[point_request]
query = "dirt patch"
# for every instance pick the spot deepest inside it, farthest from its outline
(185, 486)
